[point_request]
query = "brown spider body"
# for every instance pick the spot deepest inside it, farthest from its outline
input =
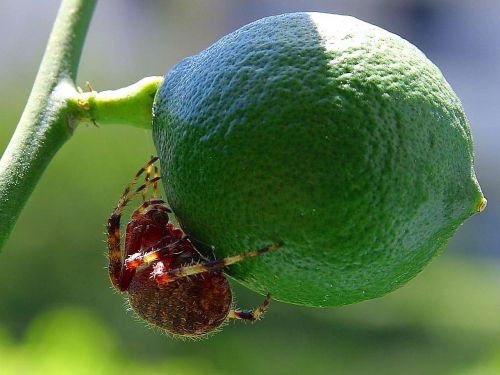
(186, 307)
(169, 283)
(190, 306)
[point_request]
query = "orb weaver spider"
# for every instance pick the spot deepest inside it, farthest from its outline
(168, 282)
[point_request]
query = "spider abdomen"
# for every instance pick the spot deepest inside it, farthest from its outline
(190, 306)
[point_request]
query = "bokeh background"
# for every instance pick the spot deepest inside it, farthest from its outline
(58, 314)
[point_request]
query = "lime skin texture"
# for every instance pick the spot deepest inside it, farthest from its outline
(323, 132)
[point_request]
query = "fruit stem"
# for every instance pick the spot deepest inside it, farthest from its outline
(46, 123)
(129, 105)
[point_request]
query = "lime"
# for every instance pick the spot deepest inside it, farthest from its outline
(333, 136)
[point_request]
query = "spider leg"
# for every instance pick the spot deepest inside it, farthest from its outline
(127, 196)
(151, 255)
(113, 227)
(162, 275)
(155, 185)
(146, 178)
(114, 250)
(251, 315)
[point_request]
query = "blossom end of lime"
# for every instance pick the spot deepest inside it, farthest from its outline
(482, 204)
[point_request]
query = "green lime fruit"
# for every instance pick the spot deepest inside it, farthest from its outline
(330, 135)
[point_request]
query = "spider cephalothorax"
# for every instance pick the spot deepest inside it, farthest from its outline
(169, 283)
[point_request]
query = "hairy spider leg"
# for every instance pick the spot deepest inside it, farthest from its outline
(114, 250)
(113, 241)
(163, 275)
(146, 178)
(151, 254)
(155, 185)
(251, 315)
(114, 219)
(125, 197)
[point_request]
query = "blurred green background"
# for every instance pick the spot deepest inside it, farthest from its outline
(58, 313)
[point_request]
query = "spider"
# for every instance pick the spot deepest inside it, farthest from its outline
(168, 282)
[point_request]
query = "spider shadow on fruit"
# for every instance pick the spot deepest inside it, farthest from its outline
(168, 282)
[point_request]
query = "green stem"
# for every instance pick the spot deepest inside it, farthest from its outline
(129, 105)
(45, 124)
